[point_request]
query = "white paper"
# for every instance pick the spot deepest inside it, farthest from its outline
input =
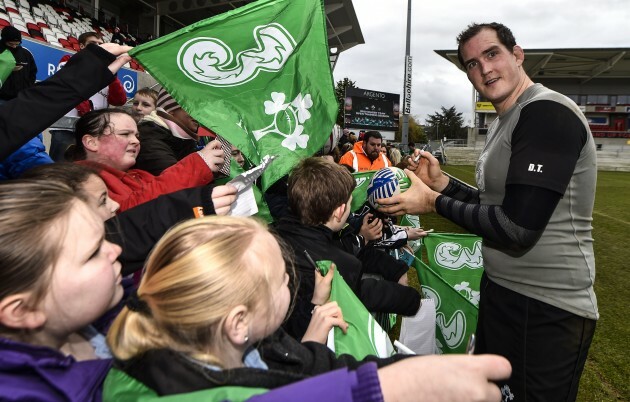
(245, 204)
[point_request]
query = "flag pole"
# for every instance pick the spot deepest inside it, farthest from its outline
(407, 85)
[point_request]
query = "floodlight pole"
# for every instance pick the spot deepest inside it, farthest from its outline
(407, 86)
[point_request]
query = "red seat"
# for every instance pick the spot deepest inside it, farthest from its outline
(64, 43)
(12, 10)
(40, 38)
(30, 25)
(43, 25)
(25, 34)
(76, 47)
(4, 23)
(72, 39)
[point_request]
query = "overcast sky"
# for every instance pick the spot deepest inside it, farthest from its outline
(378, 64)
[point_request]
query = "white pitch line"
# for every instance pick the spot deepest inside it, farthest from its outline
(611, 217)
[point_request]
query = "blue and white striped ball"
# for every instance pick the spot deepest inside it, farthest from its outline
(385, 183)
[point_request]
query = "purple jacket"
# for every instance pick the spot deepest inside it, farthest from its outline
(342, 385)
(38, 373)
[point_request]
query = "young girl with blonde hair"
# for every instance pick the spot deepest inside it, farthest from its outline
(207, 314)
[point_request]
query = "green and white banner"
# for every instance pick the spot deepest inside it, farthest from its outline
(451, 279)
(364, 336)
(259, 76)
(359, 194)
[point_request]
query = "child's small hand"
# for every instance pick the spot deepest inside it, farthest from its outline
(323, 284)
(213, 155)
(324, 318)
(415, 233)
(222, 199)
(371, 230)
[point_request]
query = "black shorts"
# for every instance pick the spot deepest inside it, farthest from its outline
(547, 346)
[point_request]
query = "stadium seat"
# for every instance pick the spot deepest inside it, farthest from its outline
(72, 39)
(35, 33)
(40, 38)
(12, 10)
(30, 25)
(4, 23)
(76, 47)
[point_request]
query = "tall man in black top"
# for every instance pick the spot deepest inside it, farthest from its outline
(533, 207)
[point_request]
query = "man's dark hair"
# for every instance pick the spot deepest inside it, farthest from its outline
(84, 37)
(503, 33)
(371, 134)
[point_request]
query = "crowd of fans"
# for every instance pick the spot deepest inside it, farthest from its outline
(105, 273)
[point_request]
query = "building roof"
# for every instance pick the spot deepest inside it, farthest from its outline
(582, 64)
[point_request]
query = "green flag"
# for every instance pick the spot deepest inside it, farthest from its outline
(258, 75)
(359, 194)
(119, 387)
(7, 64)
(458, 259)
(452, 280)
(364, 336)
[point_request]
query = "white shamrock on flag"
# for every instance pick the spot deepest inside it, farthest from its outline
(287, 119)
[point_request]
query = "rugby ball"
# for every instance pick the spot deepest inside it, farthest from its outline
(386, 183)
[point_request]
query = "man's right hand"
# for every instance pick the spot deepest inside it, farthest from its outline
(427, 168)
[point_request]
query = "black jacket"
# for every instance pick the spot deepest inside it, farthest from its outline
(36, 108)
(159, 149)
(137, 229)
(168, 372)
(385, 296)
(21, 79)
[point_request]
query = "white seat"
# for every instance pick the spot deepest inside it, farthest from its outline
(20, 26)
(55, 43)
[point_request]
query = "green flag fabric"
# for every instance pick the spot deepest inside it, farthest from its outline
(452, 280)
(258, 75)
(7, 64)
(359, 194)
(458, 259)
(364, 336)
(119, 387)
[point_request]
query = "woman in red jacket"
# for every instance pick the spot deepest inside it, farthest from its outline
(108, 141)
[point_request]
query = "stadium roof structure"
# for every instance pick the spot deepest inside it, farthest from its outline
(578, 64)
(343, 27)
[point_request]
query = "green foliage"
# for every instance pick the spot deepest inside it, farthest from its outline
(340, 94)
(448, 123)
(605, 377)
(416, 131)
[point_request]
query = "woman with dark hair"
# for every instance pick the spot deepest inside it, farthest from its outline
(108, 141)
